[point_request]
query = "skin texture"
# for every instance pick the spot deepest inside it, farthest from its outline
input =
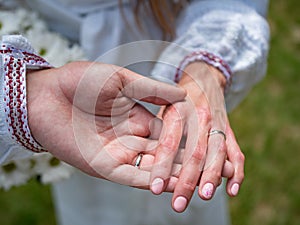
(86, 114)
(205, 156)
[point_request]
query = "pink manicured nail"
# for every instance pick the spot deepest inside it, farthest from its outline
(157, 186)
(180, 204)
(208, 190)
(235, 189)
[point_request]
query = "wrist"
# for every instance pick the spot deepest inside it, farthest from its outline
(40, 87)
(204, 83)
(203, 74)
(209, 59)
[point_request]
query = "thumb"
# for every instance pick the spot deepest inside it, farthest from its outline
(149, 90)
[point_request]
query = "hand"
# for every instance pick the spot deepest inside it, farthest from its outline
(206, 158)
(86, 115)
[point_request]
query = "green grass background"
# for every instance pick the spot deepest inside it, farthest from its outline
(267, 125)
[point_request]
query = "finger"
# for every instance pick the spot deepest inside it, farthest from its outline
(179, 156)
(129, 149)
(228, 169)
(139, 145)
(166, 150)
(122, 150)
(138, 122)
(237, 158)
(115, 161)
(155, 127)
(170, 187)
(149, 90)
(131, 176)
(214, 163)
(161, 111)
(147, 162)
(171, 184)
(193, 161)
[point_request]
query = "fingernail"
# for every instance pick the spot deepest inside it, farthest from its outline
(157, 186)
(235, 189)
(208, 190)
(180, 204)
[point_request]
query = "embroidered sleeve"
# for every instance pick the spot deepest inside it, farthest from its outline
(21, 157)
(18, 163)
(17, 57)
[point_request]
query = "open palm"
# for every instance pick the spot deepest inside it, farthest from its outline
(86, 115)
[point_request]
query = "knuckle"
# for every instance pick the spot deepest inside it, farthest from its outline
(214, 174)
(168, 141)
(222, 149)
(188, 186)
(240, 156)
(204, 114)
(198, 155)
(172, 117)
(171, 110)
(166, 148)
(240, 177)
(217, 174)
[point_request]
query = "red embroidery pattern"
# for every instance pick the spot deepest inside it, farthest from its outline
(14, 65)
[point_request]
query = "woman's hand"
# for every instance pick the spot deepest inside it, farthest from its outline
(86, 115)
(208, 155)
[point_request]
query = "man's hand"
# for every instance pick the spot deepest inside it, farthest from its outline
(86, 115)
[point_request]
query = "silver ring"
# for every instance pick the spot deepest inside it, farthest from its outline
(138, 160)
(217, 132)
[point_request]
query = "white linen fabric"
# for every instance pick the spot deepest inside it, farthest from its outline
(83, 200)
(16, 54)
(234, 30)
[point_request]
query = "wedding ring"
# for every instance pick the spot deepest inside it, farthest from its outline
(213, 132)
(138, 160)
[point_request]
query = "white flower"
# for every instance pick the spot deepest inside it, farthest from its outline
(53, 47)
(17, 21)
(57, 51)
(51, 169)
(9, 23)
(15, 173)
(50, 45)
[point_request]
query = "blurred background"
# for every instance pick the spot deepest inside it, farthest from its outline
(267, 125)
